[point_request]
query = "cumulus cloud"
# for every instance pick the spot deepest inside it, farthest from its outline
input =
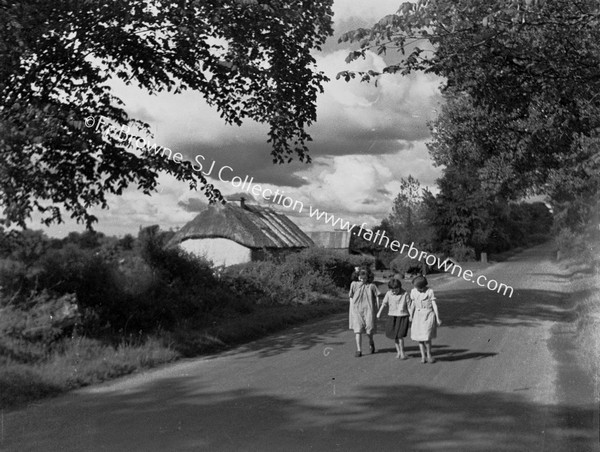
(355, 117)
(365, 139)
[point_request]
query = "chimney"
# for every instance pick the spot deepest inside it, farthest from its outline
(242, 202)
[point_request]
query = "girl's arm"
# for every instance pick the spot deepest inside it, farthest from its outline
(377, 293)
(409, 306)
(385, 301)
(435, 309)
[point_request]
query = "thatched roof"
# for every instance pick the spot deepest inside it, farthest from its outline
(249, 225)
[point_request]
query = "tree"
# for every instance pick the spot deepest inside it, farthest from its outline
(522, 85)
(25, 246)
(408, 217)
(251, 59)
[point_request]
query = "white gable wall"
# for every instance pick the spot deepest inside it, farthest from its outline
(220, 251)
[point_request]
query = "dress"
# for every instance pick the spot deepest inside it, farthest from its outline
(363, 305)
(397, 323)
(424, 326)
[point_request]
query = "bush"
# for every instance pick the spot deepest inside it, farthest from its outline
(29, 330)
(404, 264)
(568, 243)
(582, 246)
(13, 276)
(268, 282)
(384, 259)
(299, 277)
(462, 253)
(339, 267)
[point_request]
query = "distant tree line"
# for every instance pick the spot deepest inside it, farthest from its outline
(521, 114)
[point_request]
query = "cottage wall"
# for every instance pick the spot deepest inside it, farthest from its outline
(220, 251)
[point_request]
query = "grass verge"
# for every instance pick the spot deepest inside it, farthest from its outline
(80, 361)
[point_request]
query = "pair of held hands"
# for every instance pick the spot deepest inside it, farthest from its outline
(438, 321)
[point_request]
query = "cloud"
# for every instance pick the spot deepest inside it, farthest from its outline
(366, 138)
(193, 204)
(396, 109)
(369, 12)
(361, 188)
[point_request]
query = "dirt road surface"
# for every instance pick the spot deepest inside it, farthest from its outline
(506, 379)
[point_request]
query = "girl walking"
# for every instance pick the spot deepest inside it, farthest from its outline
(398, 302)
(363, 305)
(425, 317)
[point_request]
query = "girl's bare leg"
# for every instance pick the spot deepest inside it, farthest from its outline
(371, 343)
(358, 337)
(399, 351)
(400, 348)
(428, 348)
(422, 349)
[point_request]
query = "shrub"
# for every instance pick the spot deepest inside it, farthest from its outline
(64, 269)
(299, 277)
(568, 243)
(384, 259)
(268, 282)
(462, 253)
(582, 246)
(339, 267)
(13, 276)
(405, 264)
(29, 330)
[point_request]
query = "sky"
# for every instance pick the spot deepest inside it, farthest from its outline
(365, 139)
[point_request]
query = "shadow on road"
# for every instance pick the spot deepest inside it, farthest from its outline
(303, 337)
(478, 307)
(442, 353)
(178, 414)
(458, 308)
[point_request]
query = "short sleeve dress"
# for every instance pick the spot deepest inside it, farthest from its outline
(424, 326)
(397, 323)
(363, 307)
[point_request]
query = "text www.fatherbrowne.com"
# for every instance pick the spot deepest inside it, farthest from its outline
(446, 265)
(247, 184)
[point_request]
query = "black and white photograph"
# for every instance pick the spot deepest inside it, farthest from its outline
(299, 225)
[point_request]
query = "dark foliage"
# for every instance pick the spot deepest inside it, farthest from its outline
(249, 59)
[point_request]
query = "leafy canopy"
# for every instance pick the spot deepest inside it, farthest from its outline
(251, 59)
(522, 92)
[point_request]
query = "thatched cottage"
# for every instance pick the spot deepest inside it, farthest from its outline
(237, 232)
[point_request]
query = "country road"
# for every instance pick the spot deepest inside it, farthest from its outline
(506, 379)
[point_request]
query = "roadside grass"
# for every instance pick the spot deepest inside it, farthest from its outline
(76, 362)
(588, 327)
(579, 255)
(585, 277)
(27, 373)
(264, 320)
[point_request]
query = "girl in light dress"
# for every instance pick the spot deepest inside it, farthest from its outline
(364, 302)
(425, 317)
(398, 302)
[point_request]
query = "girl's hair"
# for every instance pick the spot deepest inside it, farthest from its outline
(366, 271)
(394, 284)
(420, 282)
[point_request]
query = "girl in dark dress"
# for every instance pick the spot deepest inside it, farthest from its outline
(398, 302)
